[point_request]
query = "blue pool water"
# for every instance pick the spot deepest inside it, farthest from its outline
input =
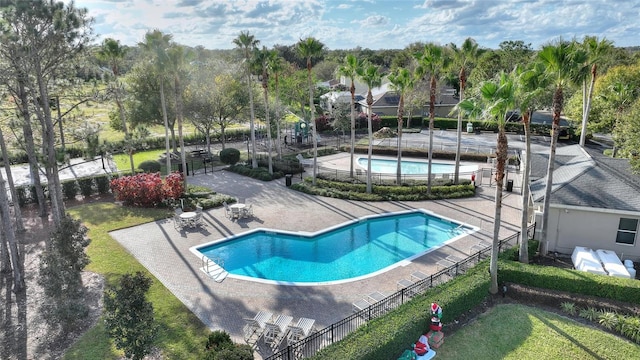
(388, 166)
(352, 250)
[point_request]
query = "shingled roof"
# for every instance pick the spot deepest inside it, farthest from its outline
(587, 178)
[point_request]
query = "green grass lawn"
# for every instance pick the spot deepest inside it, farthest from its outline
(520, 332)
(182, 335)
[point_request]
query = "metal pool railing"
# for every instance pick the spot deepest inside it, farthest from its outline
(317, 341)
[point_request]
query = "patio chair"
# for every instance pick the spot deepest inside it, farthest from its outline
(235, 213)
(227, 209)
(177, 221)
(300, 330)
(247, 211)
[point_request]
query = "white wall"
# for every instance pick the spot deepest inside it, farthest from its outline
(589, 227)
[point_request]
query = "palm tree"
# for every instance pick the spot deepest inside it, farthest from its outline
(309, 49)
(431, 61)
(561, 62)
(277, 67)
(156, 44)
(113, 53)
(498, 98)
(177, 56)
(401, 81)
(595, 51)
(246, 42)
(468, 51)
(262, 60)
(371, 76)
(350, 69)
(530, 87)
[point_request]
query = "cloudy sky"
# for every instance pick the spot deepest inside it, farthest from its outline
(373, 24)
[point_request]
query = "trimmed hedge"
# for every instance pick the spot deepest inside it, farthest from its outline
(573, 281)
(358, 191)
(396, 331)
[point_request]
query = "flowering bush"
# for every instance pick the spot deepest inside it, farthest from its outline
(147, 190)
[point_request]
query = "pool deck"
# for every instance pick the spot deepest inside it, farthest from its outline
(164, 251)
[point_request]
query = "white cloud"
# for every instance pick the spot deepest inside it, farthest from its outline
(380, 23)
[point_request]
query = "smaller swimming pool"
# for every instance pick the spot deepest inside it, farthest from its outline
(408, 167)
(356, 249)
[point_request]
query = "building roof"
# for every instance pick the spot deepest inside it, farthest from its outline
(587, 178)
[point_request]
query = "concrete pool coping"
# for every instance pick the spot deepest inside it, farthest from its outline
(164, 251)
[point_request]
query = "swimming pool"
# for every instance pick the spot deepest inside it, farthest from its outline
(356, 249)
(389, 166)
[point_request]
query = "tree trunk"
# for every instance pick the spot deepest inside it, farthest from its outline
(557, 108)
(587, 108)
(163, 103)
(17, 212)
(313, 124)
(524, 221)
(266, 116)
(399, 165)
(183, 150)
(53, 179)
(352, 89)
(432, 115)
(127, 137)
(30, 147)
(254, 160)
(501, 157)
(278, 120)
(9, 234)
(463, 80)
(370, 133)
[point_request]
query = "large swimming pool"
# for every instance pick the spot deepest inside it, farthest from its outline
(346, 252)
(389, 166)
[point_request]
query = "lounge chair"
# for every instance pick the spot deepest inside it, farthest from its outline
(276, 330)
(254, 327)
(300, 330)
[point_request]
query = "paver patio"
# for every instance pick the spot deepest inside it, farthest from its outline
(164, 251)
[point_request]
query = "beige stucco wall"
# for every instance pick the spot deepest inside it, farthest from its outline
(589, 227)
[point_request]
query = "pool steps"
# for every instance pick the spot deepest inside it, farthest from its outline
(214, 268)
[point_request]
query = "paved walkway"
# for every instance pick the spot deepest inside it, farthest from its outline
(164, 251)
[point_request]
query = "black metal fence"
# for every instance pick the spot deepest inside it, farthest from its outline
(315, 342)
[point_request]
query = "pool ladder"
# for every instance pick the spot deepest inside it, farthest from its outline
(214, 268)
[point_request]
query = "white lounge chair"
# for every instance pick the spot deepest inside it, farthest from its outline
(300, 330)
(254, 327)
(275, 331)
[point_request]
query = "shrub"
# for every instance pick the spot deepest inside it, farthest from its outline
(547, 277)
(147, 190)
(61, 268)
(129, 316)
(589, 313)
(86, 186)
(230, 156)
(102, 183)
(150, 166)
(69, 189)
(568, 307)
